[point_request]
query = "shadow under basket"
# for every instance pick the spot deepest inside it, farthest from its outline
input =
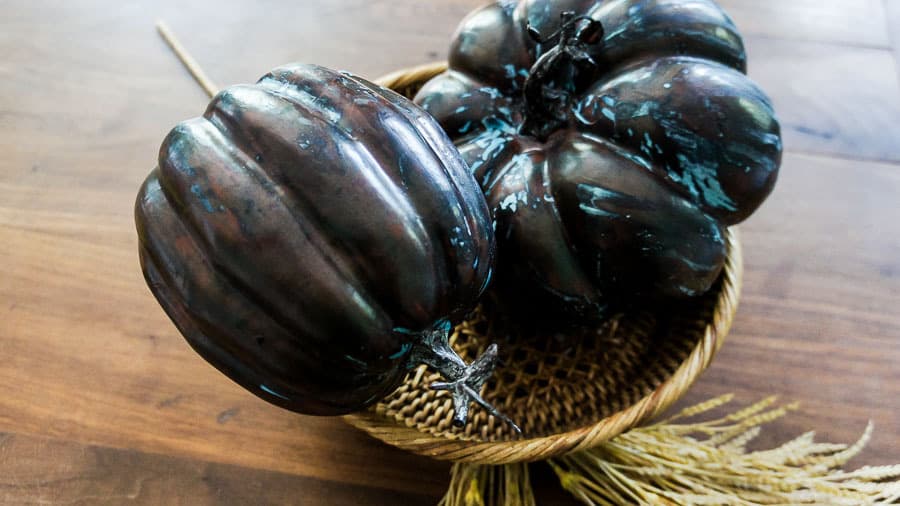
(568, 392)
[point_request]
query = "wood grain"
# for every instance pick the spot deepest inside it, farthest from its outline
(97, 386)
(893, 22)
(835, 100)
(847, 22)
(43, 471)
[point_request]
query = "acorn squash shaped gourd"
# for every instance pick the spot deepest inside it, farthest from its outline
(615, 141)
(309, 233)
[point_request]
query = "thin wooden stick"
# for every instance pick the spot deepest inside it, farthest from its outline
(186, 59)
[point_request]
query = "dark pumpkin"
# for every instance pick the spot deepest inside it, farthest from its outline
(309, 232)
(614, 142)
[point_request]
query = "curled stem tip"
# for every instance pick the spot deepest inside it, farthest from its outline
(464, 382)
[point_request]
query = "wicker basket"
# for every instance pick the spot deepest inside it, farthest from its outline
(567, 392)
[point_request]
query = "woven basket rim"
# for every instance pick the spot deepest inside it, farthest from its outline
(540, 448)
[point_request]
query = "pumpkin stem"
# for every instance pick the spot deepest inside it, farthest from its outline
(464, 381)
(553, 79)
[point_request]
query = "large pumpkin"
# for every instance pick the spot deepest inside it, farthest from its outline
(309, 232)
(614, 142)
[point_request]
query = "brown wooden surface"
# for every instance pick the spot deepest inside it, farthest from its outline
(101, 401)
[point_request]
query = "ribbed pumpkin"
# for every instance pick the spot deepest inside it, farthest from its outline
(311, 235)
(614, 142)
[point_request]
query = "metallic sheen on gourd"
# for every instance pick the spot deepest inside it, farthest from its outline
(313, 236)
(615, 141)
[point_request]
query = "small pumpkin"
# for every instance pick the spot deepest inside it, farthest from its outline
(614, 141)
(313, 236)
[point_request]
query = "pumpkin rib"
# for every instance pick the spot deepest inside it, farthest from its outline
(677, 141)
(350, 293)
(203, 249)
(544, 261)
(494, 25)
(466, 121)
(547, 180)
(408, 216)
(201, 329)
(456, 178)
(449, 260)
(285, 92)
(308, 222)
(420, 118)
(191, 325)
(667, 19)
(665, 254)
(449, 275)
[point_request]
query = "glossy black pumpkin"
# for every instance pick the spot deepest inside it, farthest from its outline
(308, 232)
(614, 141)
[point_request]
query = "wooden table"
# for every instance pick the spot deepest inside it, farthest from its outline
(102, 402)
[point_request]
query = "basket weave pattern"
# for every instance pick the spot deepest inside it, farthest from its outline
(568, 392)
